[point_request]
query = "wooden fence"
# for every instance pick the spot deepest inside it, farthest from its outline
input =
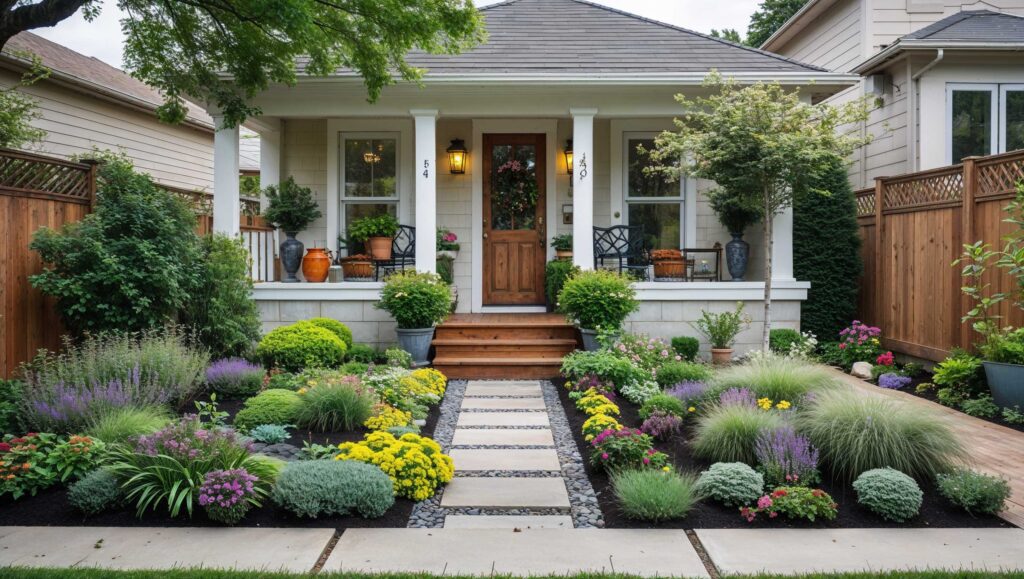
(913, 227)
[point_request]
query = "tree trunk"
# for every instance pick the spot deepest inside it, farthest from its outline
(16, 18)
(769, 244)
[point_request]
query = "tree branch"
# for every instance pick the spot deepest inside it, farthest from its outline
(29, 16)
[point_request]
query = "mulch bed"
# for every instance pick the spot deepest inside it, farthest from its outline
(930, 395)
(51, 508)
(935, 511)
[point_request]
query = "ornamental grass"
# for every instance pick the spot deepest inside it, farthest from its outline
(729, 433)
(775, 377)
(655, 495)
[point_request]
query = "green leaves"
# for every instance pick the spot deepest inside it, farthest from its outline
(415, 300)
(290, 206)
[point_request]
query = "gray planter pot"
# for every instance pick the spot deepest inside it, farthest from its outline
(737, 253)
(590, 342)
(1006, 381)
(291, 256)
(417, 343)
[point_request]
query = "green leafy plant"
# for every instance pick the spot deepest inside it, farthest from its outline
(889, 494)
(555, 274)
(982, 407)
(11, 397)
(618, 450)
(354, 368)
(321, 488)
(208, 413)
(664, 403)
(1013, 415)
(72, 458)
(361, 353)
(653, 495)
(795, 502)
(290, 206)
(673, 373)
(604, 366)
(962, 377)
(337, 328)
(383, 225)
(598, 299)
(734, 212)
(858, 433)
(334, 407)
(775, 377)
(268, 407)
(299, 345)
(18, 110)
(121, 425)
(974, 492)
(781, 340)
(731, 483)
(562, 242)
(721, 329)
(398, 358)
(25, 469)
(270, 433)
(729, 432)
(96, 492)
(415, 300)
(446, 269)
(687, 347)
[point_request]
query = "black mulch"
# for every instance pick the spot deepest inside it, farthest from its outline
(51, 508)
(935, 511)
(930, 395)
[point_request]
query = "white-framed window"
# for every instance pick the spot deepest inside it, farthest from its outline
(369, 176)
(650, 199)
(983, 119)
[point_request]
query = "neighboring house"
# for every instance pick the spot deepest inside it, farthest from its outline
(949, 75)
(87, 104)
(551, 71)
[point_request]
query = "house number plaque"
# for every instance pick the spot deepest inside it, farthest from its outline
(583, 167)
(426, 169)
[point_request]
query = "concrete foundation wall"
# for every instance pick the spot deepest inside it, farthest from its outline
(369, 325)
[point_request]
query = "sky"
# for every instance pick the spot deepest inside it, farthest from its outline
(102, 37)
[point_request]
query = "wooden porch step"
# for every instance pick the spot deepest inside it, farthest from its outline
(530, 348)
(495, 368)
(505, 331)
(503, 346)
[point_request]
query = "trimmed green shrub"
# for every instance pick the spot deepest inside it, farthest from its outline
(731, 483)
(781, 340)
(334, 407)
(729, 433)
(605, 366)
(598, 299)
(826, 252)
(974, 492)
(776, 378)
(319, 488)
(857, 433)
(269, 407)
(889, 493)
(673, 373)
(654, 495)
(663, 402)
(415, 300)
(97, 491)
(361, 353)
(301, 345)
(124, 424)
(555, 274)
(686, 346)
(337, 328)
(354, 368)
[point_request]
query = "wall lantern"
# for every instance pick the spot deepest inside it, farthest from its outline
(568, 156)
(457, 154)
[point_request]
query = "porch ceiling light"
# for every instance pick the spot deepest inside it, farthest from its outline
(457, 154)
(568, 156)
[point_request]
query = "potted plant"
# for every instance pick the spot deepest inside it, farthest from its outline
(377, 233)
(1001, 348)
(598, 301)
(736, 213)
(418, 302)
(563, 246)
(721, 331)
(668, 264)
(447, 244)
(291, 208)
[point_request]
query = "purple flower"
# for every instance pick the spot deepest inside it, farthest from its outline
(688, 392)
(738, 397)
(69, 407)
(231, 374)
(661, 425)
(893, 381)
(784, 453)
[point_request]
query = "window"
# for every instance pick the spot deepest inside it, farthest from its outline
(651, 200)
(983, 119)
(369, 177)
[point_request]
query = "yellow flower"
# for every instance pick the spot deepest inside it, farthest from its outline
(691, 409)
(783, 405)
(666, 469)
(765, 403)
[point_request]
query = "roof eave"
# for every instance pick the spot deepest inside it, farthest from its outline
(611, 79)
(908, 45)
(790, 27)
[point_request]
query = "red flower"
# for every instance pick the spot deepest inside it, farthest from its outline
(779, 493)
(4, 447)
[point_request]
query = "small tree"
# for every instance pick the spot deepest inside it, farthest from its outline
(18, 110)
(760, 143)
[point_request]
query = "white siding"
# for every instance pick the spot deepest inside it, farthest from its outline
(304, 157)
(77, 123)
(832, 41)
(891, 19)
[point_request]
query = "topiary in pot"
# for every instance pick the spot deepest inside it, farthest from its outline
(291, 208)
(597, 300)
(417, 301)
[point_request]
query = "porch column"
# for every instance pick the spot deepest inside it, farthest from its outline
(426, 189)
(782, 254)
(226, 211)
(270, 161)
(583, 187)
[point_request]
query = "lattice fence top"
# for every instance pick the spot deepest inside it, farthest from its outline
(34, 174)
(999, 177)
(928, 189)
(865, 202)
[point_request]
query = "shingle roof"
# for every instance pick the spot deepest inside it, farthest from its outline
(553, 37)
(973, 26)
(95, 72)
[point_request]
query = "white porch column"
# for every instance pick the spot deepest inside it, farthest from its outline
(226, 211)
(782, 254)
(270, 161)
(425, 166)
(583, 187)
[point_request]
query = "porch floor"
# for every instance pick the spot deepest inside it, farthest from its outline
(503, 345)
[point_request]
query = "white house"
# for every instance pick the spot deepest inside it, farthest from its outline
(552, 71)
(948, 75)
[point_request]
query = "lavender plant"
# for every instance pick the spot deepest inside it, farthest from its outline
(786, 458)
(737, 397)
(690, 393)
(235, 377)
(63, 407)
(893, 381)
(227, 495)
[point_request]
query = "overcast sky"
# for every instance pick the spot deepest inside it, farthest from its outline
(102, 37)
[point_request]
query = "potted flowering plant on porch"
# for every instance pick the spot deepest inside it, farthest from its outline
(418, 302)
(563, 246)
(597, 301)
(447, 244)
(291, 208)
(377, 232)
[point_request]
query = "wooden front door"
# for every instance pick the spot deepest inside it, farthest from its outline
(514, 179)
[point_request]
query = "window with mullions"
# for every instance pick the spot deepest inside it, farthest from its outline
(983, 119)
(369, 178)
(651, 200)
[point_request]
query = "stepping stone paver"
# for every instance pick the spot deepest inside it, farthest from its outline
(501, 492)
(503, 436)
(478, 459)
(508, 522)
(503, 403)
(751, 551)
(489, 552)
(503, 419)
(504, 390)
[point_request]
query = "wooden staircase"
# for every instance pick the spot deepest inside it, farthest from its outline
(503, 346)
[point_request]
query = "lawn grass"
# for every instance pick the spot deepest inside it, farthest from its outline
(44, 573)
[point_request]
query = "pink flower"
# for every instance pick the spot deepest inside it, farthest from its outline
(647, 460)
(764, 502)
(604, 456)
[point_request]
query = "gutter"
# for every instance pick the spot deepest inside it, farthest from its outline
(939, 55)
(890, 51)
(626, 79)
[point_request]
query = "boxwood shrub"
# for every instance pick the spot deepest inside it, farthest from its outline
(300, 345)
(687, 347)
(268, 407)
(337, 328)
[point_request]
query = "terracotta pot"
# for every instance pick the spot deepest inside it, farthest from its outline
(379, 247)
(564, 254)
(670, 268)
(315, 265)
(357, 269)
(721, 356)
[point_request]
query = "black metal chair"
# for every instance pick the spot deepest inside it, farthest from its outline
(403, 253)
(622, 248)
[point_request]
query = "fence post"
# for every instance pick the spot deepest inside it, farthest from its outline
(970, 193)
(94, 165)
(879, 264)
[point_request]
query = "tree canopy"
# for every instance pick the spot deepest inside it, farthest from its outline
(188, 48)
(769, 17)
